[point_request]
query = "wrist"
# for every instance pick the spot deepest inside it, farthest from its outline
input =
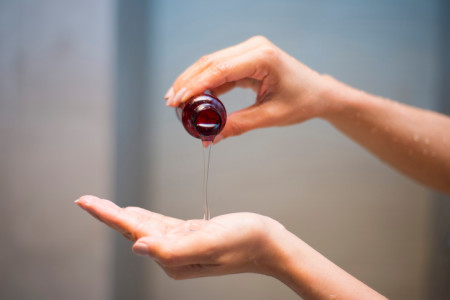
(271, 244)
(310, 274)
(336, 99)
(290, 264)
(283, 248)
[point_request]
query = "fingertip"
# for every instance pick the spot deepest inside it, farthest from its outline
(140, 248)
(179, 96)
(85, 200)
(150, 244)
(169, 94)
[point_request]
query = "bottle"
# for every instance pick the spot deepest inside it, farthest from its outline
(203, 116)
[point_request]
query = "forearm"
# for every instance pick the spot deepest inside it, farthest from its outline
(413, 140)
(313, 276)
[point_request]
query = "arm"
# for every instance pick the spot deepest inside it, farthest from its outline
(228, 244)
(415, 141)
(313, 276)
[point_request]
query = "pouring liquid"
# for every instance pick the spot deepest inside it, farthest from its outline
(206, 160)
(203, 117)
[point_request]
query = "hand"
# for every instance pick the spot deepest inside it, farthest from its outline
(288, 92)
(232, 243)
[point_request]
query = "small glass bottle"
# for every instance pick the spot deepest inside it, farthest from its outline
(203, 116)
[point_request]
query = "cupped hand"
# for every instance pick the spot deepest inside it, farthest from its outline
(232, 243)
(288, 92)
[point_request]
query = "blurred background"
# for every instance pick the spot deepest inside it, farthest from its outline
(82, 112)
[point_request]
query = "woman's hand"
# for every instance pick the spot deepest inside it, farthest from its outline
(288, 92)
(233, 243)
(415, 141)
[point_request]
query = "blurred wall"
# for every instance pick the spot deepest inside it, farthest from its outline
(55, 145)
(363, 215)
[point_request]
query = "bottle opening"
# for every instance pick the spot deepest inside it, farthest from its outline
(208, 122)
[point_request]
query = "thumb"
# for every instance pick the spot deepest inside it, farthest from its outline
(256, 116)
(185, 250)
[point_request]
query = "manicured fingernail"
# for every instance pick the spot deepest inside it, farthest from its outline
(169, 94)
(140, 249)
(169, 101)
(178, 97)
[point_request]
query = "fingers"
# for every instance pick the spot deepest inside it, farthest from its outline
(224, 245)
(256, 116)
(225, 66)
(132, 222)
(249, 65)
(207, 60)
(178, 250)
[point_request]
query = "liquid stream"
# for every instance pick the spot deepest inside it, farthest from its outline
(206, 158)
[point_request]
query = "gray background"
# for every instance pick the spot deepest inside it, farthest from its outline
(81, 112)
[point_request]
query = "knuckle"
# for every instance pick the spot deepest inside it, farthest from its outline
(259, 39)
(197, 82)
(269, 53)
(130, 209)
(205, 60)
(237, 128)
(219, 68)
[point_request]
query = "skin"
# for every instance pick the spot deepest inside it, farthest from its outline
(412, 140)
(229, 244)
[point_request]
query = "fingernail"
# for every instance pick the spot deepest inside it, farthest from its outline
(140, 249)
(178, 97)
(169, 94)
(85, 200)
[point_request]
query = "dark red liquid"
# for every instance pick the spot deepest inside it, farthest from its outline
(203, 116)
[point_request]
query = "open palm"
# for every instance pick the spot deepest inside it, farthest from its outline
(226, 244)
